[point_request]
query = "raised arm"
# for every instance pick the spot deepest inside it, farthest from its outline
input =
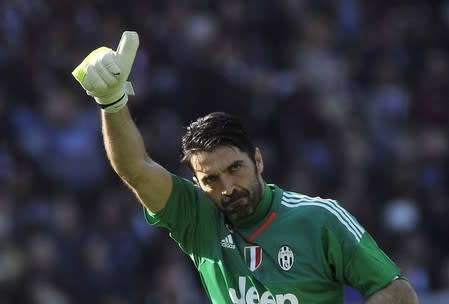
(103, 74)
(126, 152)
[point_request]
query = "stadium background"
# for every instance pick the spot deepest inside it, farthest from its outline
(346, 99)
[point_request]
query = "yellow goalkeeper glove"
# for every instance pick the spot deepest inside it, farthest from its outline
(104, 73)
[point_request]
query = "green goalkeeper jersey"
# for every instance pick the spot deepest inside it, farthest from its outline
(294, 249)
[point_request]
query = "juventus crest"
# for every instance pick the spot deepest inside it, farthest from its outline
(285, 258)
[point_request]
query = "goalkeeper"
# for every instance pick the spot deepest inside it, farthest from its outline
(252, 242)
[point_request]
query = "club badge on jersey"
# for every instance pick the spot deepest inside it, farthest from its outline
(286, 258)
(253, 257)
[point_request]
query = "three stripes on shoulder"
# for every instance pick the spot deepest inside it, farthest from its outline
(294, 200)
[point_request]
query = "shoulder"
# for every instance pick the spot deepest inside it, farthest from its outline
(311, 212)
(293, 202)
(185, 192)
(184, 185)
(320, 212)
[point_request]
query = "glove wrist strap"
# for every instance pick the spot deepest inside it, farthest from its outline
(114, 106)
(104, 106)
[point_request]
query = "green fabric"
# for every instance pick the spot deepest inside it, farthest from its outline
(328, 248)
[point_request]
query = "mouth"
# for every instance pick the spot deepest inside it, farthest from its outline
(237, 204)
(239, 209)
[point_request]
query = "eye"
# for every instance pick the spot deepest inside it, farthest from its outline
(234, 167)
(210, 179)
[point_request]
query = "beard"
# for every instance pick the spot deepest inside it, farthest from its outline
(242, 203)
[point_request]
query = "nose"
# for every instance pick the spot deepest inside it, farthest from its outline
(228, 186)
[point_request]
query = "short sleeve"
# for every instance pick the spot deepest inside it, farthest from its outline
(353, 256)
(188, 215)
(370, 269)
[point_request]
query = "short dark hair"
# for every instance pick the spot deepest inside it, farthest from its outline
(215, 130)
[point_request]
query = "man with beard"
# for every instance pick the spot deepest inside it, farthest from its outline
(252, 242)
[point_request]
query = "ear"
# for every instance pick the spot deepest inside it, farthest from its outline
(259, 161)
(195, 180)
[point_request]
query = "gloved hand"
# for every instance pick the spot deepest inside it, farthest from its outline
(104, 73)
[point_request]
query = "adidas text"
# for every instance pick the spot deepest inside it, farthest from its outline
(228, 242)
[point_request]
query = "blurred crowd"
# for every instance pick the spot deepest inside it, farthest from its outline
(345, 98)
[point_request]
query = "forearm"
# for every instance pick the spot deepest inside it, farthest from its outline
(103, 75)
(123, 142)
(398, 292)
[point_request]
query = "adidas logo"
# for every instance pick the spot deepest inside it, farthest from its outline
(228, 242)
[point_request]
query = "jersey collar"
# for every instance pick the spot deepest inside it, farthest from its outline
(261, 211)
